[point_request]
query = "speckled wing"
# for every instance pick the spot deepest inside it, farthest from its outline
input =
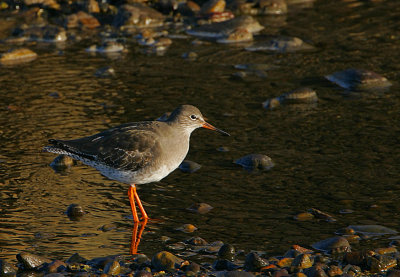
(124, 147)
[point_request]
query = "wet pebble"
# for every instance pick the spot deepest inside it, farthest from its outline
(112, 268)
(62, 162)
(17, 56)
(198, 241)
(304, 216)
(372, 230)
(76, 258)
(213, 6)
(254, 262)
(187, 228)
(75, 211)
(189, 166)
(359, 80)
(298, 96)
(166, 261)
(255, 161)
(200, 208)
(334, 245)
(143, 273)
(302, 261)
(31, 261)
(227, 252)
(237, 36)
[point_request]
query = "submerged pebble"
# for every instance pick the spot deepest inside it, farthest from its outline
(302, 95)
(281, 44)
(17, 56)
(106, 47)
(187, 228)
(62, 162)
(189, 166)
(255, 161)
(333, 245)
(359, 80)
(75, 211)
(201, 208)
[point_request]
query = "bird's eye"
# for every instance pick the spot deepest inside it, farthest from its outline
(193, 117)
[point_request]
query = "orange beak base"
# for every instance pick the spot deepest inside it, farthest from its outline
(209, 126)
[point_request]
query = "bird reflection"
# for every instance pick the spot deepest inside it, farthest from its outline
(137, 235)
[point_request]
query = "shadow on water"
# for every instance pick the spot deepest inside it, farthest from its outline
(340, 154)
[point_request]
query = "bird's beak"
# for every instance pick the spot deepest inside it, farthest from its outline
(209, 126)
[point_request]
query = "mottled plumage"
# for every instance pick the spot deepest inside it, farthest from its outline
(137, 153)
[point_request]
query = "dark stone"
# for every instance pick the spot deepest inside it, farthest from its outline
(30, 261)
(280, 273)
(224, 265)
(166, 261)
(76, 258)
(56, 266)
(201, 208)
(189, 167)
(75, 210)
(254, 262)
(112, 268)
(226, 252)
(193, 267)
(198, 241)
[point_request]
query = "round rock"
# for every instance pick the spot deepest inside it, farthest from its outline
(255, 161)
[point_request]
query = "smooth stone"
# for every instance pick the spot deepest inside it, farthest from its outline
(334, 245)
(272, 7)
(62, 162)
(213, 6)
(31, 261)
(334, 270)
(200, 208)
(106, 47)
(166, 261)
(76, 258)
(357, 257)
(280, 273)
(193, 267)
(197, 241)
(112, 268)
(189, 167)
(373, 230)
(227, 252)
(255, 161)
(75, 210)
(237, 36)
(381, 263)
(302, 95)
(17, 56)
(304, 217)
(359, 80)
(187, 228)
(6, 269)
(254, 262)
(302, 261)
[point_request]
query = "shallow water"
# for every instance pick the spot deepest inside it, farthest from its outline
(342, 153)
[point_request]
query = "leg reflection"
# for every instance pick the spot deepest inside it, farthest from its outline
(136, 236)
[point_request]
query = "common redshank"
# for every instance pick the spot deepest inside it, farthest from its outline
(139, 152)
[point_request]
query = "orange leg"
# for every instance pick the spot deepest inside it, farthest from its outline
(131, 194)
(136, 237)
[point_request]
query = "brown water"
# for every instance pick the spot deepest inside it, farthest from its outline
(341, 154)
